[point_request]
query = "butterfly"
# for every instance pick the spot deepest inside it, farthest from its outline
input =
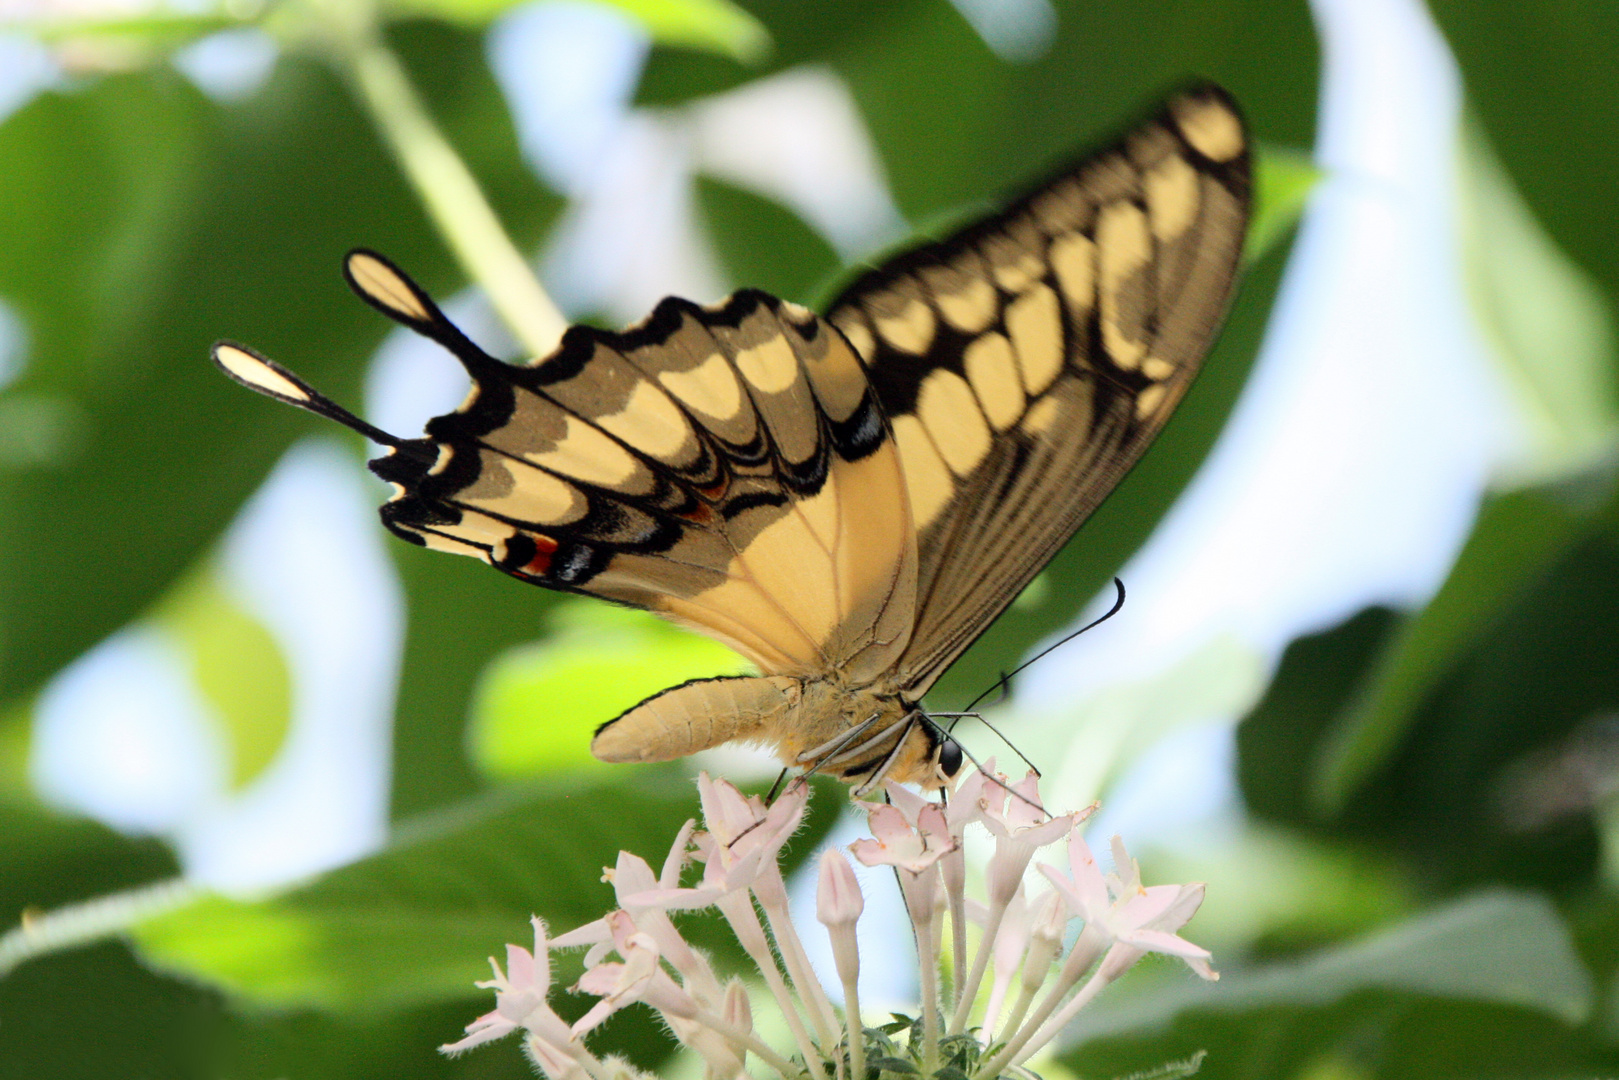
(847, 500)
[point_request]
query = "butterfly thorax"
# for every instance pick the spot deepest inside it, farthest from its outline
(855, 732)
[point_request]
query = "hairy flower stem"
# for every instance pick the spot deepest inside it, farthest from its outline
(856, 1029)
(786, 1069)
(1080, 958)
(799, 971)
(1048, 1030)
(969, 986)
(918, 891)
(954, 868)
(738, 911)
(448, 190)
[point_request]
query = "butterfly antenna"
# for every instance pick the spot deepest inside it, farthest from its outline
(956, 718)
(968, 754)
(390, 290)
(269, 378)
(1005, 678)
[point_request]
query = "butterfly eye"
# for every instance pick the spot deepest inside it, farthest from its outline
(950, 757)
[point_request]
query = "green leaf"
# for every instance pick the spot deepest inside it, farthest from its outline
(1283, 181)
(414, 923)
(119, 39)
(1503, 948)
(712, 25)
(237, 666)
(537, 705)
(1547, 323)
(1516, 540)
(762, 244)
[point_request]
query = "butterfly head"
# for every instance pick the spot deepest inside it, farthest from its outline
(865, 737)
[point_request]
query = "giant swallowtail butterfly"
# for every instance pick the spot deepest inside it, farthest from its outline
(848, 500)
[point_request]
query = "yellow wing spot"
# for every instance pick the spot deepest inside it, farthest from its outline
(771, 366)
(1040, 419)
(478, 528)
(653, 424)
(441, 460)
(1035, 325)
(1149, 400)
(1063, 208)
(437, 542)
(1014, 258)
(1123, 250)
(1157, 368)
(257, 373)
(993, 373)
(383, 284)
(710, 387)
(910, 329)
(966, 299)
(1073, 260)
(586, 454)
(523, 494)
(859, 334)
(927, 481)
(1212, 129)
(1148, 146)
(1172, 198)
(835, 374)
(950, 413)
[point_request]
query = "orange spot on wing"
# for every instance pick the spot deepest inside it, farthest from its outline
(540, 564)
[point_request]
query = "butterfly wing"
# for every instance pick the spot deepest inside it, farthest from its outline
(718, 466)
(1026, 362)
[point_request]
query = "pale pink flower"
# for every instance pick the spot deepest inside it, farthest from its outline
(896, 842)
(637, 954)
(520, 998)
(1132, 918)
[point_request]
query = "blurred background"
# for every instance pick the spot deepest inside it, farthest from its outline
(272, 784)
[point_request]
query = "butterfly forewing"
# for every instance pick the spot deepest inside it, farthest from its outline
(1025, 363)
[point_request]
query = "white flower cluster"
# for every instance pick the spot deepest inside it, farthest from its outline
(1035, 987)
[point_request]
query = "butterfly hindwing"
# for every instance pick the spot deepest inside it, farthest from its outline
(713, 465)
(1026, 362)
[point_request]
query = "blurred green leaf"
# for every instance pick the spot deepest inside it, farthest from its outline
(1548, 325)
(714, 25)
(1273, 889)
(1538, 75)
(1283, 181)
(117, 36)
(414, 923)
(1504, 948)
(537, 705)
(1516, 540)
(1281, 736)
(764, 245)
(157, 223)
(237, 666)
(1082, 746)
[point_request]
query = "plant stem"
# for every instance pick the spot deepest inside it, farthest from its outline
(91, 920)
(450, 192)
(855, 1027)
(747, 1038)
(750, 934)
